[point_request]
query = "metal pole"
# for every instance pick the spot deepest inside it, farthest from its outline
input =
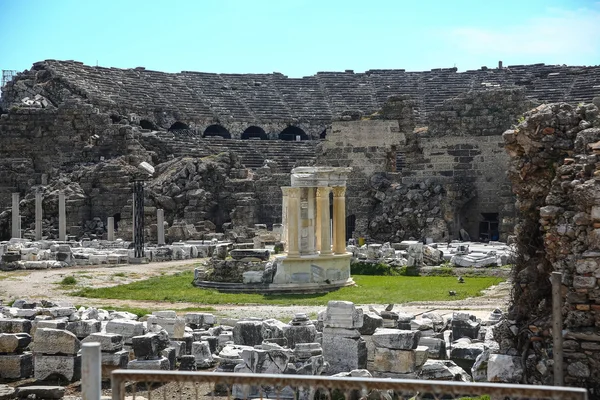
(91, 371)
(557, 327)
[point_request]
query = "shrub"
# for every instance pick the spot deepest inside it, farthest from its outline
(68, 280)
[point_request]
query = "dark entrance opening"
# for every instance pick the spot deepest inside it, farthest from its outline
(489, 227)
(254, 132)
(323, 134)
(145, 124)
(117, 218)
(350, 226)
(292, 133)
(177, 126)
(217, 130)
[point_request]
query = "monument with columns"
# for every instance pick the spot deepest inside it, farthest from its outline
(315, 240)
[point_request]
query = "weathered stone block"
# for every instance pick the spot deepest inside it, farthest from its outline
(55, 341)
(84, 328)
(16, 366)
(248, 333)
(126, 328)
(150, 345)
(48, 366)
(109, 342)
(584, 282)
(344, 352)
(14, 342)
(436, 347)
(505, 369)
(392, 360)
(201, 352)
(371, 322)
(160, 364)
(15, 326)
(396, 339)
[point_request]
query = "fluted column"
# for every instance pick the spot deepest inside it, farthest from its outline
(323, 212)
(339, 220)
(293, 222)
(284, 214)
(110, 230)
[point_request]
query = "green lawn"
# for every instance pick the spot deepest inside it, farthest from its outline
(369, 290)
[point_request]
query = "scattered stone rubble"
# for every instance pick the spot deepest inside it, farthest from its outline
(345, 339)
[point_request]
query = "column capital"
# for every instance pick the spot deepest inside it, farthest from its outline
(294, 192)
(339, 191)
(285, 190)
(323, 191)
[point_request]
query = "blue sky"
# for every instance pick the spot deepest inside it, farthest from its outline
(299, 37)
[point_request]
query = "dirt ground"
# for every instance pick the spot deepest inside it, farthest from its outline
(44, 284)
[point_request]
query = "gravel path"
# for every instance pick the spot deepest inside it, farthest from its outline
(44, 284)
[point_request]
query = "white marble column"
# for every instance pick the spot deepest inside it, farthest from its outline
(160, 227)
(325, 227)
(311, 220)
(62, 216)
(293, 222)
(339, 220)
(16, 217)
(38, 216)
(110, 230)
(284, 214)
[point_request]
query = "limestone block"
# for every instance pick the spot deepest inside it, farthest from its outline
(175, 327)
(344, 353)
(392, 360)
(14, 342)
(464, 354)
(201, 351)
(16, 366)
(41, 392)
(165, 314)
(117, 359)
(159, 364)
(584, 282)
(58, 312)
(55, 341)
(436, 347)
(343, 314)
(169, 354)
(66, 367)
(109, 342)
(396, 338)
(250, 277)
(150, 345)
(503, 368)
(443, 370)
(84, 328)
(464, 328)
(296, 334)
(178, 346)
(273, 329)
(422, 354)
(15, 326)
(371, 322)
(248, 333)
(199, 320)
(126, 328)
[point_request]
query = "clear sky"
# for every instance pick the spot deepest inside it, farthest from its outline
(299, 37)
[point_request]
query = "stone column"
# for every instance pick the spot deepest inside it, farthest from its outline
(133, 218)
(16, 217)
(323, 211)
(62, 217)
(110, 231)
(284, 214)
(293, 221)
(38, 216)
(311, 220)
(160, 227)
(339, 220)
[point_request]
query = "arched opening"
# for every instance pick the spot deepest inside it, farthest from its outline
(350, 226)
(323, 134)
(254, 132)
(178, 126)
(217, 130)
(145, 124)
(115, 118)
(292, 133)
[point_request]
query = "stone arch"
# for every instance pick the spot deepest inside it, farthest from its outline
(291, 132)
(254, 132)
(146, 124)
(178, 126)
(217, 130)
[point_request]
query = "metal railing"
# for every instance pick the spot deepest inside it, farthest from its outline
(209, 385)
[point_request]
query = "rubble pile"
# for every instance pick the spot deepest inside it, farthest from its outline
(555, 174)
(344, 339)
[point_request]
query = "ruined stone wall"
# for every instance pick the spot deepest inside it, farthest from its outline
(554, 172)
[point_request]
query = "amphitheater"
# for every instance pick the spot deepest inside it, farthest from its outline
(426, 147)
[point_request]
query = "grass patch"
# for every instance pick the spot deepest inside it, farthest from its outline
(120, 274)
(68, 281)
(369, 290)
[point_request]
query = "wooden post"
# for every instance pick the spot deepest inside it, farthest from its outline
(557, 327)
